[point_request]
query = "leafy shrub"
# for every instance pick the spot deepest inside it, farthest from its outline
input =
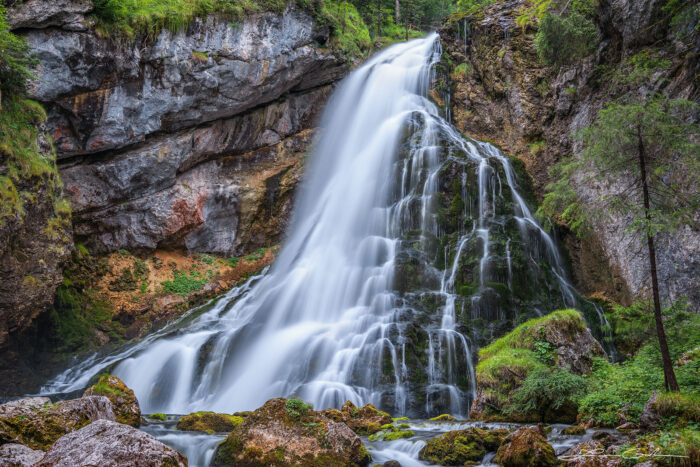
(547, 389)
(563, 40)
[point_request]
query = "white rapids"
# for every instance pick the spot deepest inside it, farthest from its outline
(325, 320)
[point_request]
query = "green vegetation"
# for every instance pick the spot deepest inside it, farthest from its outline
(184, 284)
(619, 391)
(297, 408)
(547, 389)
(519, 373)
(131, 18)
(77, 309)
(28, 172)
(157, 416)
(15, 61)
(565, 40)
(209, 422)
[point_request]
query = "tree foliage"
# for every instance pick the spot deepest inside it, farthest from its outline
(668, 132)
(562, 40)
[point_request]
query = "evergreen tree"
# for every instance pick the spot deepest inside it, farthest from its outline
(646, 150)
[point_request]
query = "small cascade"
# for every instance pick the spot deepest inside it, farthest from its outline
(411, 247)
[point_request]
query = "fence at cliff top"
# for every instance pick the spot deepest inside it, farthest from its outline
(410, 246)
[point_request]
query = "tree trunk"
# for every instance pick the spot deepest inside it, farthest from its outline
(669, 375)
(379, 18)
(397, 13)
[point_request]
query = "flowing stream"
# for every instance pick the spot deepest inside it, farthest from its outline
(410, 247)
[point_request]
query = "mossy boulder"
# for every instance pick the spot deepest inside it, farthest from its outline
(559, 341)
(290, 433)
(364, 421)
(36, 422)
(391, 432)
(462, 447)
(210, 422)
(526, 446)
(124, 403)
(443, 418)
(573, 430)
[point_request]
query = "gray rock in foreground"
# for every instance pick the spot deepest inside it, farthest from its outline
(19, 455)
(106, 443)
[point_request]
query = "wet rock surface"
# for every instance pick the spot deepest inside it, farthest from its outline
(37, 423)
(526, 446)
(281, 433)
(107, 443)
(462, 447)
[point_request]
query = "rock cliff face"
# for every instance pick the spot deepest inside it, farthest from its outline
(188, 140)
(508, 97)
(192, 140)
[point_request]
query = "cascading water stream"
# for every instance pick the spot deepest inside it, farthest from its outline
(373, 298)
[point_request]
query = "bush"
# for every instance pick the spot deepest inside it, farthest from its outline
(564, 40)
(544, 390)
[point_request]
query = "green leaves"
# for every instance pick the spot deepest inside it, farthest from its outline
(664, 131)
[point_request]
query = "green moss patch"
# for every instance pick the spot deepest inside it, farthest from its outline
(209, 422)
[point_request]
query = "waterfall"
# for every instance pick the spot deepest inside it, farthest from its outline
(410, 246)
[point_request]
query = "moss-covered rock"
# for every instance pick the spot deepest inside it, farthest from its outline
(124, 403)
(443, 418)
(36, 422)
(462, 447)
(210, 422)
(559, 340)
(526, 446)
(280, 433)
(392, 432)
(364, 421)
(573, 430)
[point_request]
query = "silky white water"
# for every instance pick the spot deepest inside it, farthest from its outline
(330, 321)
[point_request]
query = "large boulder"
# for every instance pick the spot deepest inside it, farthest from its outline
(18, 455)
(526, 446)
(287, 432)
(107, 443)
(124, 403)
(559, 341)
(364, 421)
(209, 421)
(37, 423)
(462, 447)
